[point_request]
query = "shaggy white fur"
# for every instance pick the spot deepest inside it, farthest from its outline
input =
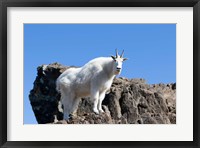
(92, 80)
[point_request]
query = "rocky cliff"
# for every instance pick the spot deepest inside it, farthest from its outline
(130, 101)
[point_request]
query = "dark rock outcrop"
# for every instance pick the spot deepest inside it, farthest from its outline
(130, 101)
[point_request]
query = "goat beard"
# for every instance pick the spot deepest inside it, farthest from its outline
(117, 72)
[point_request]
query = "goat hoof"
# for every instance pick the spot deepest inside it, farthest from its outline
(101, 111)
(96, 111)
(70, 117)
(66, 120)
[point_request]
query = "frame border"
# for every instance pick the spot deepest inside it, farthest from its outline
(99, 3)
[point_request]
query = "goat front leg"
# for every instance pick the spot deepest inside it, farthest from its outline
(95, 99)
(101, 98)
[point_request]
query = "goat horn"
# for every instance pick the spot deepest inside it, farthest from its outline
(122, 54)
(116, 53)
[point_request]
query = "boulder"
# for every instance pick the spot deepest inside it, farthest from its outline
(129, 101)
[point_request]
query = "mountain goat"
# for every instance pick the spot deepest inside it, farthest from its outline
(92, 80)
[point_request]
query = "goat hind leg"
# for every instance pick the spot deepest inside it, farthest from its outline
(67, 104)
(75, 106)
(66, 110)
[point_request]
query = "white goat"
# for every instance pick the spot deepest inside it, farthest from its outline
(92, 80)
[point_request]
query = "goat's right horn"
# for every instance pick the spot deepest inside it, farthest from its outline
(122, 54)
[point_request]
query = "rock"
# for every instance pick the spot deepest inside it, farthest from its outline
(129, 101)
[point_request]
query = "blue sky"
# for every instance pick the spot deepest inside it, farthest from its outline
(150, 48)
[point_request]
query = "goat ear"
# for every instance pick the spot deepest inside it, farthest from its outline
(124, 59)
(113, 57)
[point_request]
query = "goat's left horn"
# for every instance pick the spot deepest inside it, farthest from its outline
(116, 52)
(122, 54)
